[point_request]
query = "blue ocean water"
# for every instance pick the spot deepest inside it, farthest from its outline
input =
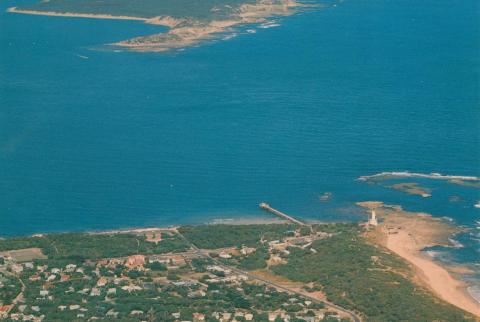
(94, 138)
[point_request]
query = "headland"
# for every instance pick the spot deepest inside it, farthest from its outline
(195, 23)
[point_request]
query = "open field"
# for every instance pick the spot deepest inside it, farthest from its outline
(25, 255)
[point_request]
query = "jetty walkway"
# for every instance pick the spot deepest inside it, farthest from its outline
(266, 206)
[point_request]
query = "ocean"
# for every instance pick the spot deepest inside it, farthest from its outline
(93, 137)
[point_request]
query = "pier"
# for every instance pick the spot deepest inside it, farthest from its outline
(266, 206)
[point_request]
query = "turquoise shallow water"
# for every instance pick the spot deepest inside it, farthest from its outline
(123, 139)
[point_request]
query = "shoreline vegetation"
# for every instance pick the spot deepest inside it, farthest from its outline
(403, 233)
(408, 234)
(186, 31)
(334, 266)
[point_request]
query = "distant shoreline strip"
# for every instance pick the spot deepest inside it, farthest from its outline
(73, 15)
(406, 174)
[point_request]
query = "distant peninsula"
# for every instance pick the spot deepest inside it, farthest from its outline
(190, 21)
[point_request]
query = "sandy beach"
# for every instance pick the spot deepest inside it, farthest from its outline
(407, 234)
(437, 278)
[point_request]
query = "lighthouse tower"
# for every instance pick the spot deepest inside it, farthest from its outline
(372, 219)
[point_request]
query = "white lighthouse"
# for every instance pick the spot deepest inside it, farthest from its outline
(372, 219)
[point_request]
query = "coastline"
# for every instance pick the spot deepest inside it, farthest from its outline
(404, 233)
(72, 14)
(407, 235)
(150, 177)
(185, 31)
(254, 220)
(226, 221)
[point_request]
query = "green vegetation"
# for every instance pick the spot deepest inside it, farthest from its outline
(128, 294)
(9, 288)
(87, 276)
(255, 260)
(79, 246)
(358, 276)
(195, 9)
(219, 236)
(191, 21)
(156, 266)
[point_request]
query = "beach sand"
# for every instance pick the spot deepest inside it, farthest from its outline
(407, 234)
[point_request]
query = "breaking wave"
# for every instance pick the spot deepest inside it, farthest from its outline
(406, 174)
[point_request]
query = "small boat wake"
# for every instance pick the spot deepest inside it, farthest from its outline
(81, 56)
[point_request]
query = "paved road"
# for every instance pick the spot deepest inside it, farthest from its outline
(352, 315)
